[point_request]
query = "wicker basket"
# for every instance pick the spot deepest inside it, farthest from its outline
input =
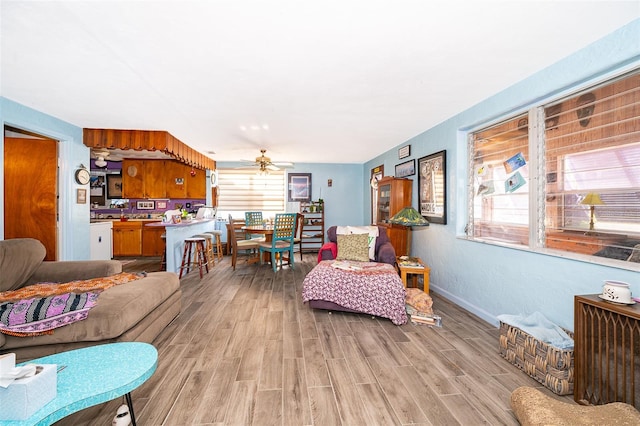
(550, 366)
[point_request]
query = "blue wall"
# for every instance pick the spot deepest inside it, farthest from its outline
(490, 280)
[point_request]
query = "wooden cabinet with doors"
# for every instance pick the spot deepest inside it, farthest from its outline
(127, 238)
(393, 195)
(152, 242)
(161, 179)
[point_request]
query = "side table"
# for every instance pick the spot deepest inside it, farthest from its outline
(93, 375)
(414, 266)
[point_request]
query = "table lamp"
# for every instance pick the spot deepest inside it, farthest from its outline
(592, 200)
(409, 217)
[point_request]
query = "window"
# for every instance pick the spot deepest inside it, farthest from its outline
(245, 190)
(574, 185)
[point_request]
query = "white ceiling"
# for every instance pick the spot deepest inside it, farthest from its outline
(310, 81)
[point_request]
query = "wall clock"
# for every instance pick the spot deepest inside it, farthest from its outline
(82, 176)
(214, 178)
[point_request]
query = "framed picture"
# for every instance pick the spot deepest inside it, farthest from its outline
(81, 196)
(408, 168)
(114, 186)
(299, 186)
(404, 152)
(145, 205)
(432, 187)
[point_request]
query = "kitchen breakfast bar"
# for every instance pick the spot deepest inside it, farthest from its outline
(176, 234)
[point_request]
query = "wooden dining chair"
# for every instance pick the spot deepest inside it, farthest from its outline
(281, 241)
(297, 236)
(253, 219)
(244, 245)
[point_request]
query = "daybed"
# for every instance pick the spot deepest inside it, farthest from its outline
(356, 284)
(135, 311)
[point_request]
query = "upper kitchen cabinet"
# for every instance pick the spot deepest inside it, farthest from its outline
(176, 179)
(161, 179)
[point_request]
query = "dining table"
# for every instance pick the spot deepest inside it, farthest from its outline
(266, 230)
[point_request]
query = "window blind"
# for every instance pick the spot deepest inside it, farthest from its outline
(500, 181)
(245, 190)
(593, 148)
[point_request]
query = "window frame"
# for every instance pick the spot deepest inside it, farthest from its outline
(537, 175)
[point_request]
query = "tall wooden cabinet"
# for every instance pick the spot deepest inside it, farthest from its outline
(394, 194)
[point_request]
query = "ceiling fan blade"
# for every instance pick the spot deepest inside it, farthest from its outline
(283, 163)
(272, 167)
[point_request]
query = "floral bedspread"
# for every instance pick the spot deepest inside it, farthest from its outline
(368, 287)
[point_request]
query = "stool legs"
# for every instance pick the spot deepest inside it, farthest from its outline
(200, 256)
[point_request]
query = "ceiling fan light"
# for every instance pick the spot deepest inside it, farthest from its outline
(100, 162)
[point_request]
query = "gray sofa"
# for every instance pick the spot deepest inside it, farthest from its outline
(134, 311)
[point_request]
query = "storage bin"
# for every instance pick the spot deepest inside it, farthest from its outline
(551, 366)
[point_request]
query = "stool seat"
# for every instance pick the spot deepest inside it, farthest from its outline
(196, 244)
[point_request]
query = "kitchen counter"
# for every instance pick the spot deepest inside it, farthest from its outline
(117, 219)
(176, 234)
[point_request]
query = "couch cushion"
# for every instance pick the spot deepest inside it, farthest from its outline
(353, 247)
(19, 258)
(118, 309)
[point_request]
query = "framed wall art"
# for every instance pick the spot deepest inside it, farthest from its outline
(408, 168)
(404, 152)
(145, 205)
(299, 187)
(432, 187)
(114, 186)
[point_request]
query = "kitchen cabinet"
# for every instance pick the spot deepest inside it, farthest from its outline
(161, 179)
(152, 242)
(394, 194)
(127, 238)
(196, 185)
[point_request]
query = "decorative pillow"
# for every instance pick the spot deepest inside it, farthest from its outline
(419, 300)
(353, 247)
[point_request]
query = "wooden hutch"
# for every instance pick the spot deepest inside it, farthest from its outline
(394, 194)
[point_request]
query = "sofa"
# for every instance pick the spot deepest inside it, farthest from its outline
(135, 311)
(384, 251)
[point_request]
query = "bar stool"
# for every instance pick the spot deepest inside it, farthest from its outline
(211, 259)
(163, 259)
(217, 234)
(195, 244)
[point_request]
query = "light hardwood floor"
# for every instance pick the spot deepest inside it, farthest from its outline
(246, 351)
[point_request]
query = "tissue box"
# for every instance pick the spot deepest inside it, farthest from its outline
(25, 396)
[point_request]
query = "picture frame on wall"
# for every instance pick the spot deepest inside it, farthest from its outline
(114, 187)
(299, 187)
(81, 196)
(404, 152)
(432, 187)
(408, 168)
(145, 205)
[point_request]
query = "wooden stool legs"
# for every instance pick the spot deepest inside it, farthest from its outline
(197, 244)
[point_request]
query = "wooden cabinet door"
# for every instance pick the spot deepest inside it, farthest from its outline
(196, 185)
(175, 174)
(152, 242)
(133, 177)
(127, 239)
(154, 179)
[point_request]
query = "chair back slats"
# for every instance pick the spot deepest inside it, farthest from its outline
(253, 218)
(284, 227)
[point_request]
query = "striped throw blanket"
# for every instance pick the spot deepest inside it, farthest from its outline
(40, 308)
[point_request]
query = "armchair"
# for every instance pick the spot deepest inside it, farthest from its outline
(385, 253)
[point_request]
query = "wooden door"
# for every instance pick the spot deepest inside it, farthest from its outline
(132, 178)
(175, 175)
(196, 185)
(30, 191)
(154, 179)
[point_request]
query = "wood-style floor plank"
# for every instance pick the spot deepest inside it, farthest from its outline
(245, 350)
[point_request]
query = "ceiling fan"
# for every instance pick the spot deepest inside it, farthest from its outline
(264, 163)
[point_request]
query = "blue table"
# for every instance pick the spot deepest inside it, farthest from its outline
(92, 376)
